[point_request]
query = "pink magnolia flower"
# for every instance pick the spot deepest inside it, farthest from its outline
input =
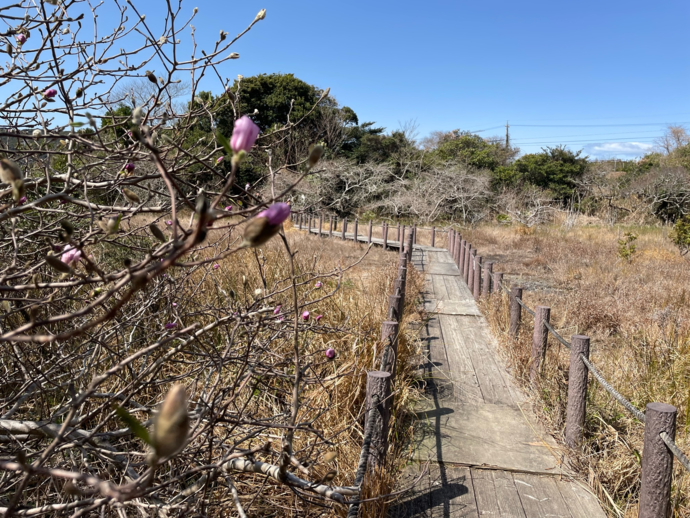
(244, 134)
(275, 214)
(280, 318)
(70, 254)
(174, 304)
(22, 200)
(318, 285)
(318, 317)
(330, 353)
(216, 266)
(21, 38)
(129, 167)
(277, 309)
(219, 159)
(168, 222)
(265, 225)
(228, 208)
(50, 93)
(247, 187)
(305, 316)
(171, 325)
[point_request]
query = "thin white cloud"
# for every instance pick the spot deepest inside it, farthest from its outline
(627, 149)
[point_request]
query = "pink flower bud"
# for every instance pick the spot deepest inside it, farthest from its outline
(171, 325)
(318, 317)
(228, 208)
(20, 38)
(129, 167)
(22, 200)
(174, 304)
(244, 134)
(318, 285)
(266, 224)
(216, 266)
(70, 254)
(305, 316)
(247, 187)
(219, 159)
(276, 213)
(280, 318)
(277, 309)
(50, 93)
(168, 222)
(330, 353)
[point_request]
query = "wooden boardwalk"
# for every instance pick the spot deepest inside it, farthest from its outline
(489, 455)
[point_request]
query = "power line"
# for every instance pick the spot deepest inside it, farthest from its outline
(625, 139)
(597, 125)
(589, 135)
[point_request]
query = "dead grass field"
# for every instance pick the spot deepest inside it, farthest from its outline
(638, 318)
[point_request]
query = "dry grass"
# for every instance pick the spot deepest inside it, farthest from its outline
(638, 318)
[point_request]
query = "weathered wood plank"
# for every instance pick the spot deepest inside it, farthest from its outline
(440, 291)
(540, 496)
(496, 494)
(455, 496)
(466, 385)
(442, 269)
(580, 501)
(451, 307)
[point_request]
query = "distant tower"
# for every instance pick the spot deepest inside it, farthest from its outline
(507, 135)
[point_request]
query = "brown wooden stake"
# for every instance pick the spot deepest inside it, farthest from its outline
(486, 286)
(389, 336)
(470, 270)
(414, 234)
(466, 266)
(402, 237)
(433, 237)
(539, 340)
(385, 236)
(369, 235)
(461, 263)
(399, 234)
(451, 238)
(378, 384)
(320, 224)
(477, 284)
(409, 248)
(515, 311)
(356, 232)
(657, 461)
(394, 307)
(498, 283)
(330, 225)
(344, 229)
(577, 391)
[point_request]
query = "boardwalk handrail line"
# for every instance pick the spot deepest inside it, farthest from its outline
(657, 461)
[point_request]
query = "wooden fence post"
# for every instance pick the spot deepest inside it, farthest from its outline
(477, 285)
(399, 235)
(433, 237)
(451, 239)
(414, 234)
(356, 229)
(344, 229)
(456, 250)
(539, 340)
(370, 229)
(320, 223)
(409, 248)
(394, 303)
(498, 283)
(657, 461)
(299, 221)
(486, 286)
(378, 384)
(466, 266)
(461, 264)
(384, 230)
(470, 270)
(577, 392)
(515, 311)
(389, 336)
(330, 225)
(402, 237)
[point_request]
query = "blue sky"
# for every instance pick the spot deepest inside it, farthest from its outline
(602, 68)
(604, 76)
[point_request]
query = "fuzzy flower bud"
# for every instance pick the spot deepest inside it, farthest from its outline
(50, 93)
(261, 15)
(219, 159)
(216, 266)
(129, 167)
(318, 285)
(228, 208)
(330, 353)
(265, 225)
(172, 423)
(305, 316)
(70, 254)
(277, 309)
(21, 38)
(244, 134)
(318, 317)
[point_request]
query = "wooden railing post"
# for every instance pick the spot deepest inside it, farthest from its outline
(320, 223)
(330, 225)
(461, 263)
(402, 237)
(299, 221)
(399, 234)
(657, 461)
(414, 234)
(477, 284)
(370, 229)
(457, 243)
(378, 384)
(577, 392)
(344, 229)
(451, 240)
(498, 283)
(433, 237)
(466, 266)
(470, 270)
(389, 337)
(408, 248)
(540, 338)
(394, 303)
(486, 286)
(356, 230)
(384, 230)
(515, 311)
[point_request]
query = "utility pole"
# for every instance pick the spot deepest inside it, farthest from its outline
(507, 135)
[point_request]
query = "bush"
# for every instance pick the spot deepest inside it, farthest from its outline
(681, 234)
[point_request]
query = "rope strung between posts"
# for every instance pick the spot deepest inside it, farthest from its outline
(675, 450)
(556, 335)
(519, 301)
(364, 456)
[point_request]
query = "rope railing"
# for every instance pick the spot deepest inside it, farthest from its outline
(353, 510)
(646, 503)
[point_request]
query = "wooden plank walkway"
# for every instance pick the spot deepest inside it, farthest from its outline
(489, 455)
